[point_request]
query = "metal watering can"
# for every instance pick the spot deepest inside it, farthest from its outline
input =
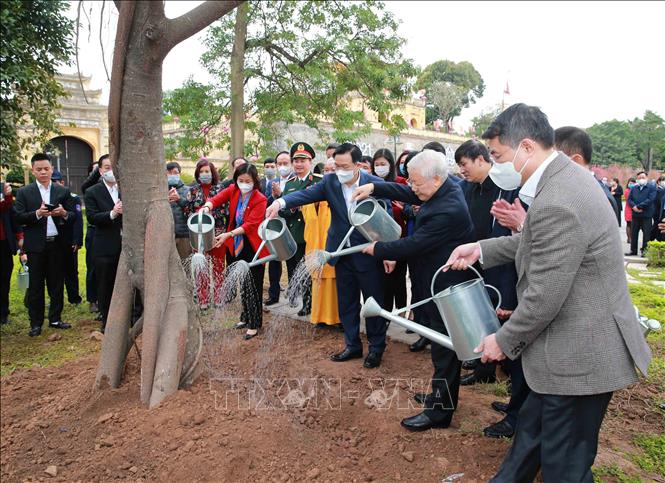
(374, 223)
(201, 231)
(23, 277)
(465, 308)
(647, 325)
(277, 237)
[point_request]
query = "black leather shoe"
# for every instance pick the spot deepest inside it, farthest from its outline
(240, 325)
(251, 336)
(421, 397)
(470, 365)
(420, 344)
(630, 254)
(35, 331)
(502, 429)
(270, 302)
(471, 379)
(372, 360)
(346, 355)
(304, 312)
(499, 407)
(420, 422)
(59, 324)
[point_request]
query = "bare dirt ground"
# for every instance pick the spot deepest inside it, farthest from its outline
(315, 420)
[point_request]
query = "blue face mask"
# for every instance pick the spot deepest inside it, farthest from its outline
(402, 171)
(630, 185)
(174, 179)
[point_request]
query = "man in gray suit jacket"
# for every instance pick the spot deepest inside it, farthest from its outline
(574, 325)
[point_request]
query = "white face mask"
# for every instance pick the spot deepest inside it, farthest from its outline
(642, 181)
(344, 176)
(109, 177)
(245, 187)
(270, 173)
(284, 171)
(505, 176)
(382, 170)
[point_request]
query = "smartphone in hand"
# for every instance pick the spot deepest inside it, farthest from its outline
(50, 207)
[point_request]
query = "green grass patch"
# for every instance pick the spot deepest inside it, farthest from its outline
(652, 458)
(612, 473)
(498, 389)
(18, 350)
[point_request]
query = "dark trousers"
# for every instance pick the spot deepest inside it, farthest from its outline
(519, 389)
(105, 270)
(6, 268)
(643, 224)
(619, 216)
(71, 266)
(350, 284)
(395, 291)
(46, 266)
(252, 288)
(558, 434)
(442, 402)
(291, 265)
(274, 276)
(90, 279)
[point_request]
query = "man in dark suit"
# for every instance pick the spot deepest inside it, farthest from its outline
(44, 209)
(301, 157)
(481, 195)
(271, 179)
(90, 278)
(10, 237)
(642, 201)
(575, 325)
(356, 273)
(657, 212)
(576, 144)
(104, 210)
(72, 242)
(442, 223)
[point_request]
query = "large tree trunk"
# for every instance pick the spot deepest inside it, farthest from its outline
(149, 261)
(238, 83)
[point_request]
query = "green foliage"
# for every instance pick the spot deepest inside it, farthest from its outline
(653, 457)
(15, 175)
(302, 61)
(462, 75)
(629, 143)
(656, 254)
(445, 99)
(482, 121)
(36, 38)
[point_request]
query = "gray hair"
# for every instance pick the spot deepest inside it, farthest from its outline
(430, 163)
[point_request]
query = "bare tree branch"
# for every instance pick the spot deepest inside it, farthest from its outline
(183, 27)
(78, 66)
(101, 42)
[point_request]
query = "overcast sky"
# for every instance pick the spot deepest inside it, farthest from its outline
(581, 62)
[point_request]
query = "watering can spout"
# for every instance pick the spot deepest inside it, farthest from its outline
(371, 308)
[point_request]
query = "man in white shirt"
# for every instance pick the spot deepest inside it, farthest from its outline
(43, 208)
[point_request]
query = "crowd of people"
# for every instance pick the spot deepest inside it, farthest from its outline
(525, 210)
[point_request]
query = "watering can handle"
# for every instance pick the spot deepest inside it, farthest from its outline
(382, 202)
(440, 270)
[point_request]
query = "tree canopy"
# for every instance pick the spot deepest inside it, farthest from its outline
(36, 39)
(637, 143)
(302, 62)
(462, 75)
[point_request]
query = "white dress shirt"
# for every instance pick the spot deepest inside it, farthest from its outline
(45, 192)
(113, 191)
(528, 190)
(347, 191)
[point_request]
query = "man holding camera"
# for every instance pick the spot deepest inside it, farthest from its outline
(44, 208)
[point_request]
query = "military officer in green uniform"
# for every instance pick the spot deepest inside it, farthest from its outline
(303, 177)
